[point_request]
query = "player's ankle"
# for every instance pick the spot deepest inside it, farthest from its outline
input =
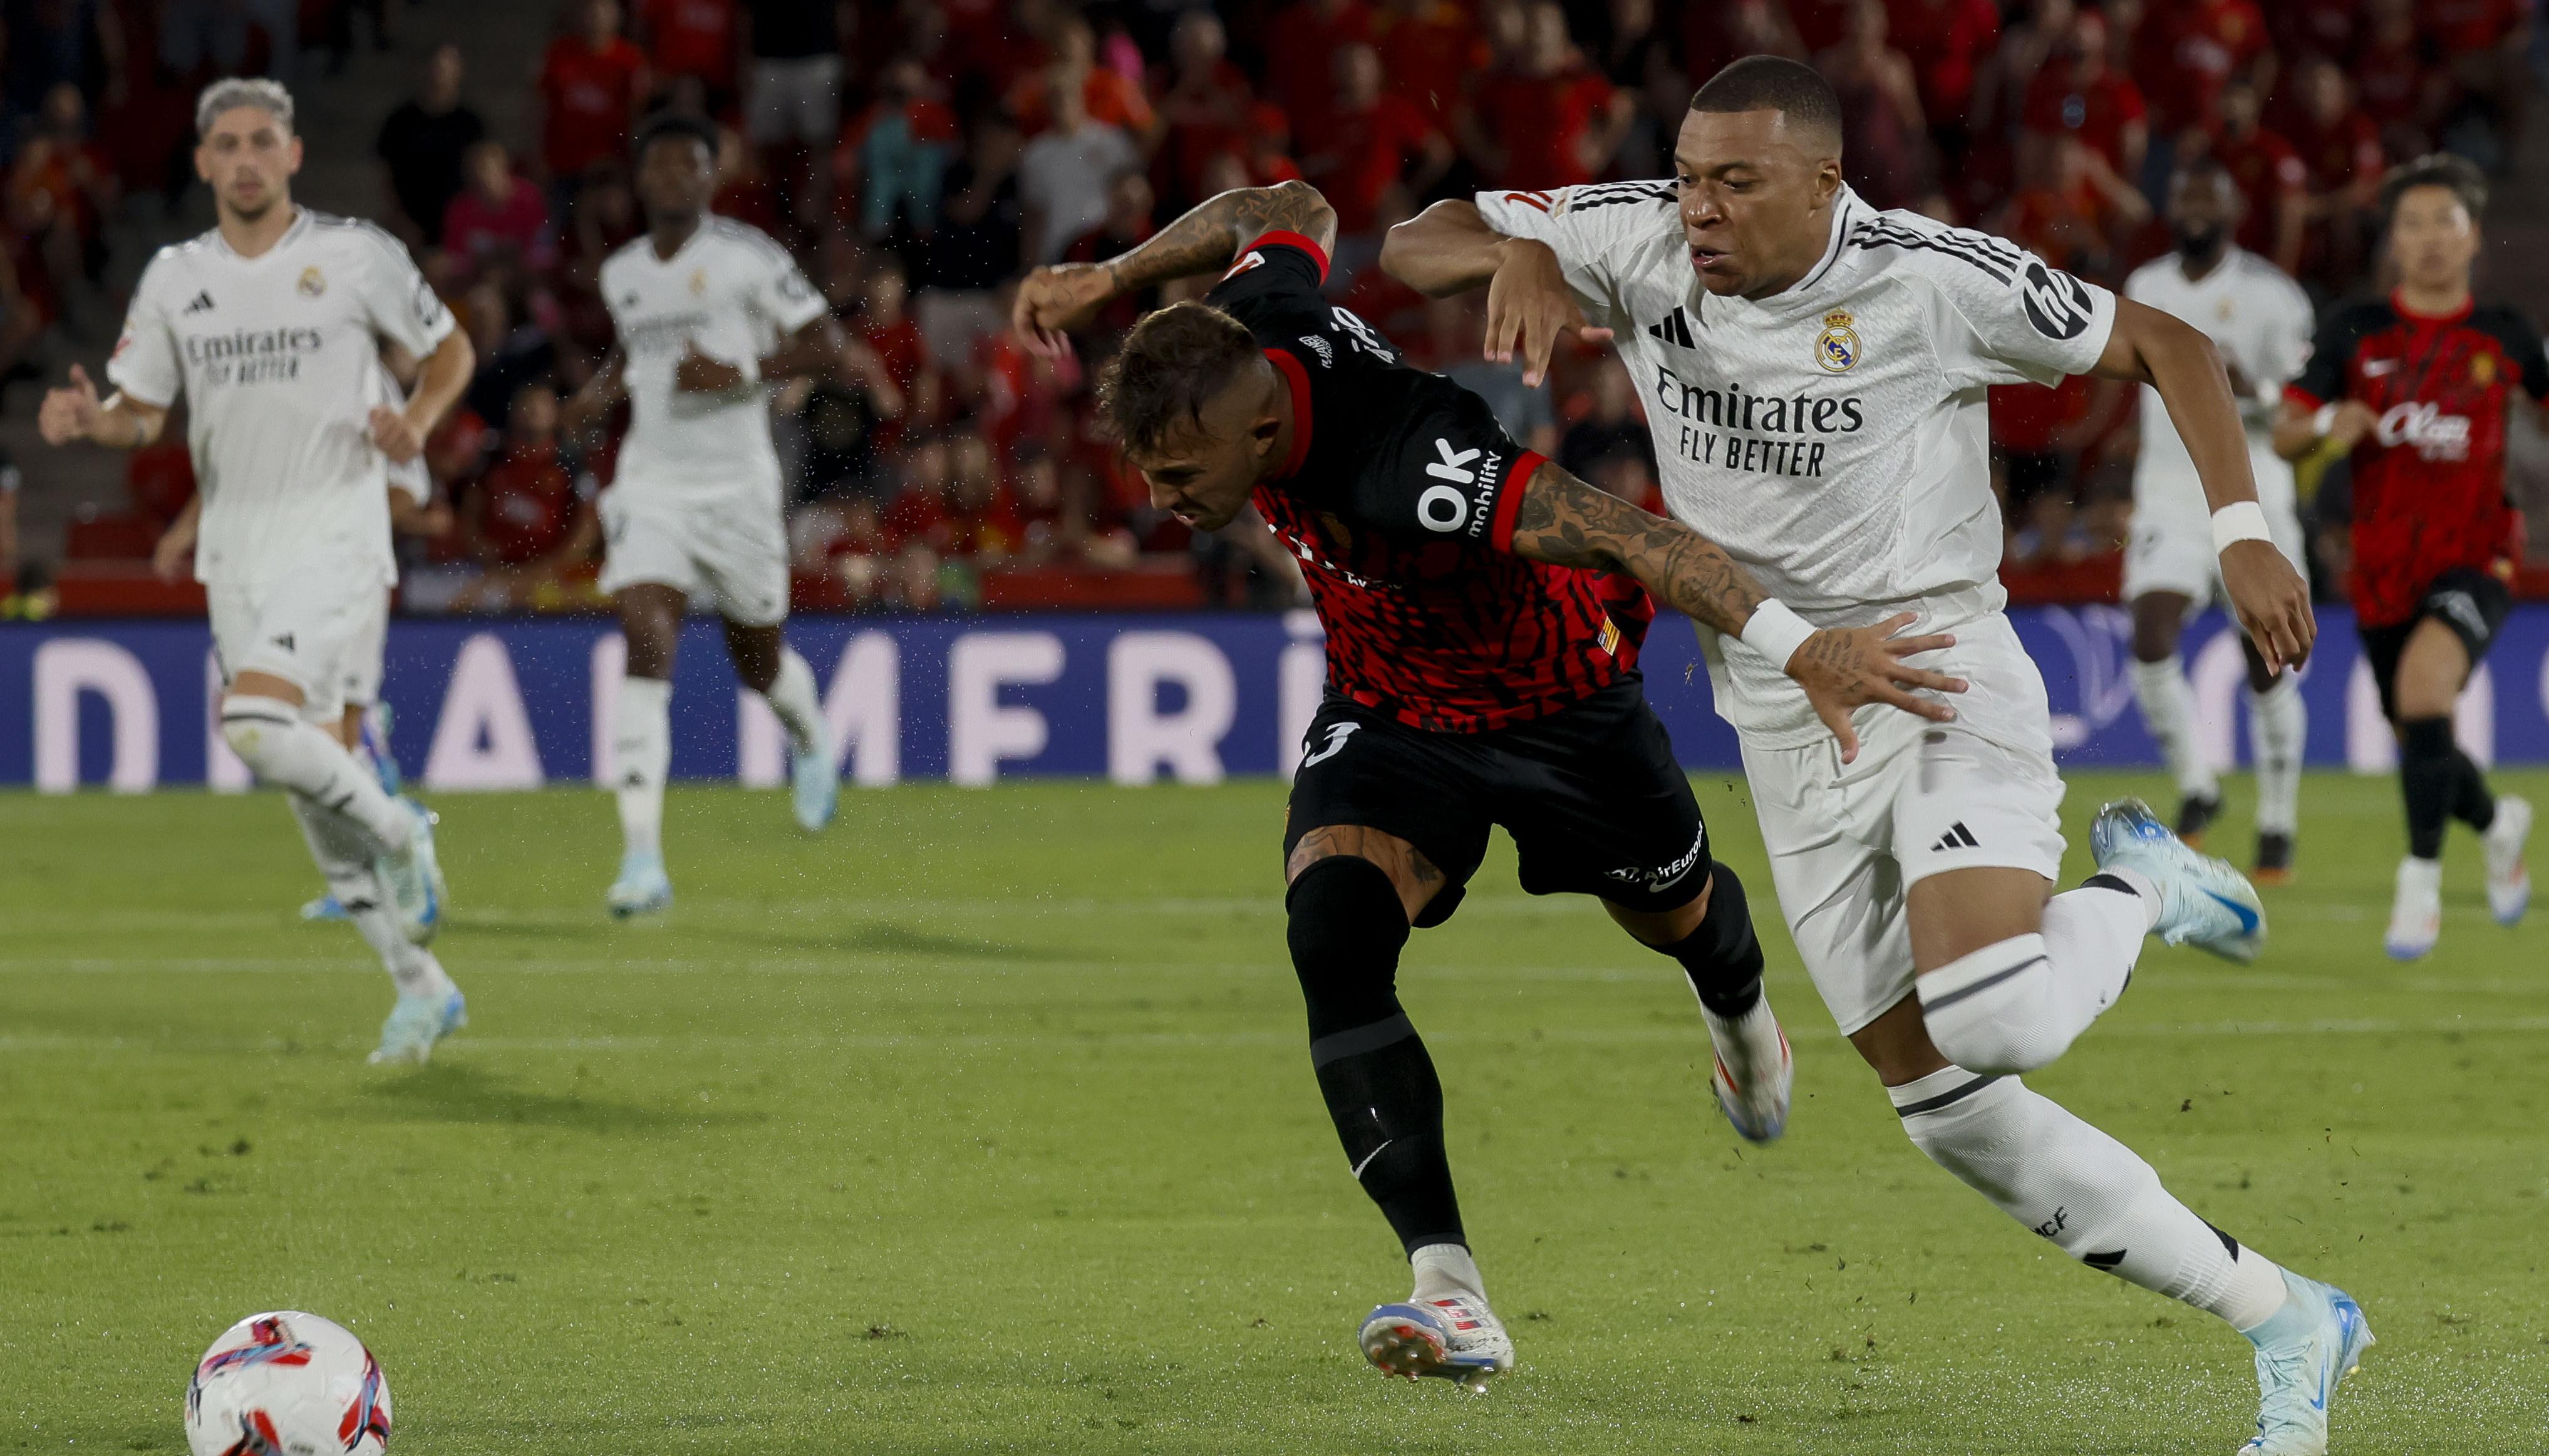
(1445, 1269)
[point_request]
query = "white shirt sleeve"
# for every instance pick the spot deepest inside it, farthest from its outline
(403, 306)
(145, 363)
(782, 294)
(1584, 226)
(2006, 316)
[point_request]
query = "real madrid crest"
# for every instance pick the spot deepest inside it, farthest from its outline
(699, 282)
(312, 282)
(1837, 348)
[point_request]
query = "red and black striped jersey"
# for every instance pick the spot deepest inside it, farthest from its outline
(2429, 480)
(1399, 500)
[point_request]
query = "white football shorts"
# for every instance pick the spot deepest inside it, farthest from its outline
(2172, 543)
(363, 666)
(731, 548)
(313, 630)
(1847, 842)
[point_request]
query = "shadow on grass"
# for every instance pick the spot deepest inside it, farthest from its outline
(456, 1092)
(873, 938)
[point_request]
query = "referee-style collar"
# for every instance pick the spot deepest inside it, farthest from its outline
(291, 235)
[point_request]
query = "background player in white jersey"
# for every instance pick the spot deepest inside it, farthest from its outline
(270, 324)
(709, 312)
(2261, 322)
(1816, 375)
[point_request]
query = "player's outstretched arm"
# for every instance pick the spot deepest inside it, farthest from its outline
(2173, 357)
(586, 408)
(1055, 300)
(441, 380)
(1449, 248)
(74, 412)
(1566, 522)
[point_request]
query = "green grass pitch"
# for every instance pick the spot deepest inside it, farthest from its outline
(984, 1123)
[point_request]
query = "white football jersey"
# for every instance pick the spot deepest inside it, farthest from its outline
(413, 479)
(1835, 438)
(2262, 323)
(278, 358)
(738, 296)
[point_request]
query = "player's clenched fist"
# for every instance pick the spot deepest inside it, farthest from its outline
(1054, 300)
(2272, 601)
(1529, 305)
(1842, 668)
(395, 434)
(70, 413)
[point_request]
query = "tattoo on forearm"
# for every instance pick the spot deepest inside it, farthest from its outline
(1210, 234)
(1567, 522)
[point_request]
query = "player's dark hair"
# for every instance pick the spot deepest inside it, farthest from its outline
(1174, 363)
(1773, 83)
(2436, 169)
(664, 124)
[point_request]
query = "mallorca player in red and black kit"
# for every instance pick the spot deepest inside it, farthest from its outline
(2418, 386)
(1483, 610)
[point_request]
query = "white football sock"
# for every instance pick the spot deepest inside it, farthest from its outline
(2017, 1004)
(2168, 712)
(1444, 1270)
(271, 738)
(641, 752)
(792, 698)
(2277, 732)
(344, 857)
(2084, 1191)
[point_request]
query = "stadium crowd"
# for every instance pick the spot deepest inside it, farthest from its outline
(919, 155)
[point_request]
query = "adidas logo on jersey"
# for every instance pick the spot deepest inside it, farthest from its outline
(282, 640)
(201, 303)
(1957, 836)
(1673, 329)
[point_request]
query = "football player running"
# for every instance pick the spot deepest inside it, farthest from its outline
(709, 312)
(1816, 375)
(270, 326)
(1483, 610)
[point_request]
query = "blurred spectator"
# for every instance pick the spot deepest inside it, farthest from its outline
(2270, 174)
(745, 191)
(2034, 36)
(692, 37)
(894, 157)
(50, 41)
(1885, 144)
(498, 219)
(2398, 79)
(1948, 41)
(1545, 120)
(1106, 95)
(590, 87)
(793, 90)
(2484, 45)
(1065, 175)
(2194, 50)
(1368, 142)
(1203, 111)
(1426, 48)
(1126, 226)
(528, 520)
(22, 320)
(1615, 426)
(2080, 93)
(422, 146)
(978, 243)
(2072, 209)
(1301, 43)
(887, 326)
(61, 189)
(2341, 150)
(512, 349)
(1459, 329)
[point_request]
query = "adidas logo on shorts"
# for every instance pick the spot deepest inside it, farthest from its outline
(1957, 836)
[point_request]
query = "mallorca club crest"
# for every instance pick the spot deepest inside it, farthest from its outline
(1837, 348)
(2481, 369)
(312, 282)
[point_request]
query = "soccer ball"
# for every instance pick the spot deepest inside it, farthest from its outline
(287, 1384)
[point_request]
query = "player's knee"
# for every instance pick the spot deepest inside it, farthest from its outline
(1721, 956)
(251, 725)
(1989, 1010)
(1345, 927)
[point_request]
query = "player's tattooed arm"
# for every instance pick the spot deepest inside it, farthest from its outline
(1054, 300)
(1563, 521)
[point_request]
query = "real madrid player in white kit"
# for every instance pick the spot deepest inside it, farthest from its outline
(2262, 323)
(708, 312)
(270, 326)
(1815, 375)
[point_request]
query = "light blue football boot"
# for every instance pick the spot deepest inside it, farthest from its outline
(2203, 902)
(2317, 1339)
(417, 1023)
(642, 887)
(815, 783)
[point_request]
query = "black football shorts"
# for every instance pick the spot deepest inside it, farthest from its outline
(2473, 604)
(1591, 794)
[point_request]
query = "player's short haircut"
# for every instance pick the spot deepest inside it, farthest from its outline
(2436, 169)
(237, 91)
(1172, 364)
(664, 124)
(1774, 83)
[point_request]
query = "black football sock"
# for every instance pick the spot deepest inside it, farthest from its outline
(1721, 956)
(2426, 775)
(2472, 803)
(1346, 929)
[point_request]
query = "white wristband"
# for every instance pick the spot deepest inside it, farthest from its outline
(2241, 520)
(1776, 632)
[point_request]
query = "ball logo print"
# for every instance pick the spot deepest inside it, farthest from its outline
(2057, 304)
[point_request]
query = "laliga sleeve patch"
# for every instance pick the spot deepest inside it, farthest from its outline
(2057, 304)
